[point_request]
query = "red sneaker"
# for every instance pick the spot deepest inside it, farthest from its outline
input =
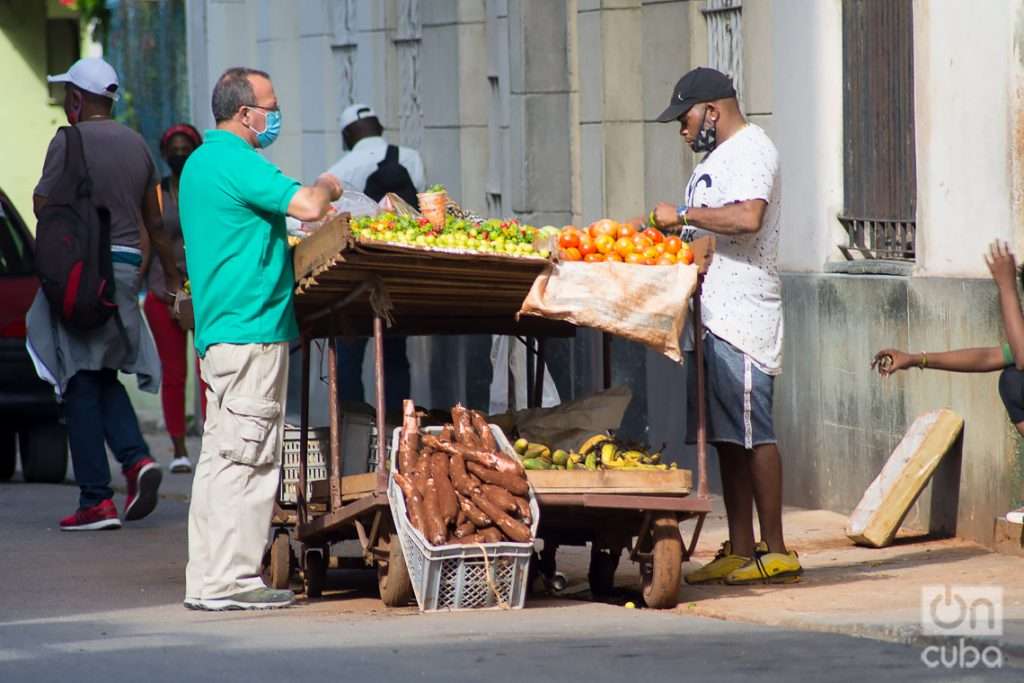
(103, 515)
(143, 483)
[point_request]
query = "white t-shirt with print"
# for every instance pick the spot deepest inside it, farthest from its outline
(742, 295)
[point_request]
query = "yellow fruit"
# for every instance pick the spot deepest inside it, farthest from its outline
(591, 443)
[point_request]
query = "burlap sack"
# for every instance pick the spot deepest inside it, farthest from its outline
(646, 304)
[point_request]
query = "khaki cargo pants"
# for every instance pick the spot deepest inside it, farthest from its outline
(237, 477)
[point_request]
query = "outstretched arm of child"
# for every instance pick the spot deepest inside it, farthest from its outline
(1003, 266)
(985, 359)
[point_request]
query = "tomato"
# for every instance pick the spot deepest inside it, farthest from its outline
(635, 258)
(673, 245)
(666, 260)
(605, 244)
(586, 245)
(641, 243)
(569, 238)
(605, 226)
(626, 230)
(651, 253)
(654, 235)
(624, 246)
(571, 254)
(614, 256)
(660, 246)
(594, 258)
(685, 255)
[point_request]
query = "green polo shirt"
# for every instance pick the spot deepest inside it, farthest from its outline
(232, 204)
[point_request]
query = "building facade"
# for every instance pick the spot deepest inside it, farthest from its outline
(899, 127)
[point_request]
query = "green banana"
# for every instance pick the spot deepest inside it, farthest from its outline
(591, 462)
(536, 464)
(537, 450)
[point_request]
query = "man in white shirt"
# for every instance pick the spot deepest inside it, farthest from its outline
(735, 193)
(375, 168)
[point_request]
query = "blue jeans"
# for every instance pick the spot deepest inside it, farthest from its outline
(397, 381)
(98, 412)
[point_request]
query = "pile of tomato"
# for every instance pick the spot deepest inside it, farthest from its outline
(607, 240)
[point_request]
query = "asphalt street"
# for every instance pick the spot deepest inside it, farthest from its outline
(106, 606)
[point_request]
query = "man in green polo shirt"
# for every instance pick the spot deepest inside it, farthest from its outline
(233, 204)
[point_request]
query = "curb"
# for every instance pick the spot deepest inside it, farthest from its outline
(903, 634)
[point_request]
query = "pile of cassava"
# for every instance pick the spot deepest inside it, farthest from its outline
(458, 485)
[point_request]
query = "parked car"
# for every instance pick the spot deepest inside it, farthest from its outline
(30, 419)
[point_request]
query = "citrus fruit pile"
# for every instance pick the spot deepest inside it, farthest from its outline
(493, 236)
(607, 240)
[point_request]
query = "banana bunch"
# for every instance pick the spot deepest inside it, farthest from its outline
(599, 451)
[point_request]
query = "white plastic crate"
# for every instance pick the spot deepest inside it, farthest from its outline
(455, 577)
(316, 461)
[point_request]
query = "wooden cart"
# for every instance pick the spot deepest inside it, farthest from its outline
(351, 288)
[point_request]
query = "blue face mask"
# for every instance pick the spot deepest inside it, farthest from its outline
(270, 131)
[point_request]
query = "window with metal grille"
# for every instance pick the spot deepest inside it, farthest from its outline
(725, 40)
(879, 168)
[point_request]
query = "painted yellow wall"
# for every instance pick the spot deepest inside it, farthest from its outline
(27, 119)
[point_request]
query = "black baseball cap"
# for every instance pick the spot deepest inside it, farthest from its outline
(700, 85)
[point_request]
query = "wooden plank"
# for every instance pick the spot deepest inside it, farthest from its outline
(878, 516)
(358, 485)
(321, 247)
(611, 481)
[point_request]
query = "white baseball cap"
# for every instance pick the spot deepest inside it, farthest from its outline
(90, 74)
(353, 113)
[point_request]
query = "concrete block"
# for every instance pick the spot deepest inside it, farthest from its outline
(474, 86)
(665, 53)
(314, 17)
(667, 164)
(439, 75)
(286, 154)
(621, 4)
(592, 171)
(591, 67)
(621, 54)
(280, 59)
(436, 12)
(441, 156)
(588, 6)
(1008, 538)
(545, 170)
(376, 76)
(235, 44)
(375, 15)
(317, 91)
(472, 11)
(473, 153)
(757, 57)
(276, 20)
(317, 155)
(623, 169)
(538, 57)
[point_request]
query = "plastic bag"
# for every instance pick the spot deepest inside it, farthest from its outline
(356, 204)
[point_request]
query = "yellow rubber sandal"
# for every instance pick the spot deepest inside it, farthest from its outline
(725, 563)
(767, 568)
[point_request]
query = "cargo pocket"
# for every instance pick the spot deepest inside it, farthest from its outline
(251, 438)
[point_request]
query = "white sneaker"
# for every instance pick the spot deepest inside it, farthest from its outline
(181, 465)
(1015, 516)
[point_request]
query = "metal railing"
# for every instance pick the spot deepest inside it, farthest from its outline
(885, 239)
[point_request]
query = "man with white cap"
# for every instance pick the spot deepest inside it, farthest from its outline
(375, 167)
(84, 365)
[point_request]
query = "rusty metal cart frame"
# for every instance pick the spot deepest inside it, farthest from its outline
(365, 306)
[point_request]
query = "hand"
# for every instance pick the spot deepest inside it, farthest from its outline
(1001, 264)
(666, 215)
(173, 282)
(888, 361)
(330, 183)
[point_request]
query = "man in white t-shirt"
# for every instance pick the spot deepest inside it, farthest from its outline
(735, 193)
(374, 167)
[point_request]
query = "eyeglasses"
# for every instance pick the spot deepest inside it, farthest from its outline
(256, 106)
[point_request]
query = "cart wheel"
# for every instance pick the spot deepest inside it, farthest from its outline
(393, 574)
(603, 563)
(661, 573)
(280, 561)
(316, 572)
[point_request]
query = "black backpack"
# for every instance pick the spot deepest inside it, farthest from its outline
(391, 176)
(72, 256)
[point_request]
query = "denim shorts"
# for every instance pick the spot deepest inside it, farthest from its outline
(1011, 390)
(739, 396)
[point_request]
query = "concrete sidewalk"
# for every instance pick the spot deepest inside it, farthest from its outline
(873, 593)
